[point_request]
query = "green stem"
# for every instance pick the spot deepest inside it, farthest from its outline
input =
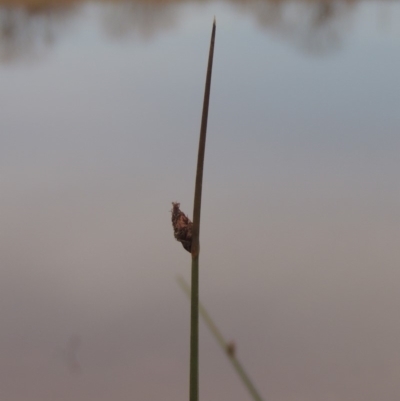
(194, 311)
(194, 333)
(217, 334)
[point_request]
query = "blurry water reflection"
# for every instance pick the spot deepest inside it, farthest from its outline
(28, 27)
(144, 18)
(314, 26)
(26, 31)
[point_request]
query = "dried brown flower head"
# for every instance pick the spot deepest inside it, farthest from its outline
(182, 227)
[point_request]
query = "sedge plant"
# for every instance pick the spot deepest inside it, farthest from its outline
(188, 233)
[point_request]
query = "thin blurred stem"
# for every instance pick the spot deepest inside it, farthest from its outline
(219, 337)
(194, 313)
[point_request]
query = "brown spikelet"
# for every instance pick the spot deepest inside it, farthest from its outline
(182, 227)
(231, 349)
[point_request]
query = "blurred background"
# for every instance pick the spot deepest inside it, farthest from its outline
(100, 106)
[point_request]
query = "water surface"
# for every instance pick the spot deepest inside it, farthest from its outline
(100, 113)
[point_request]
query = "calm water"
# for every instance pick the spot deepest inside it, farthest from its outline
(100, 113)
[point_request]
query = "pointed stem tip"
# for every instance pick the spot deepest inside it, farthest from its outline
(215, 21)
